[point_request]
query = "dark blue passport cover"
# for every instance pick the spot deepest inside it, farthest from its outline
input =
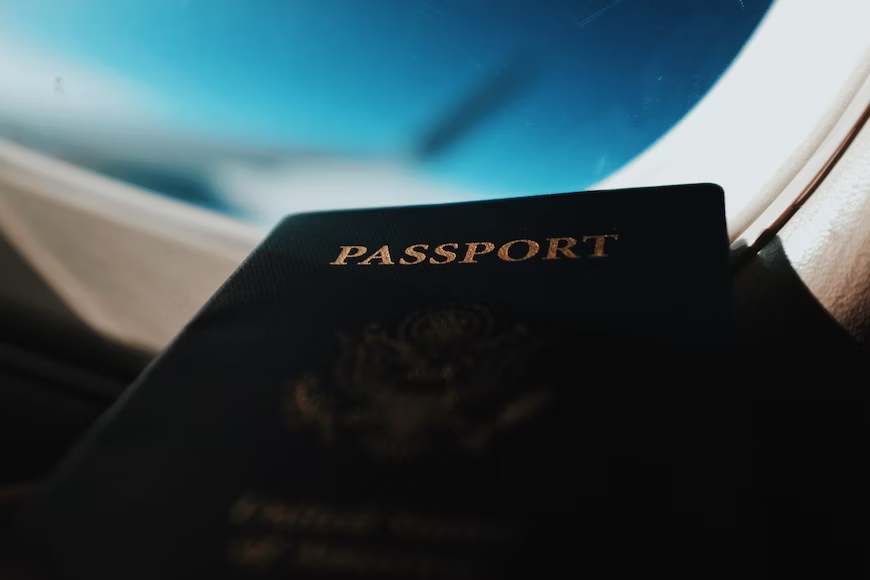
(469, 390)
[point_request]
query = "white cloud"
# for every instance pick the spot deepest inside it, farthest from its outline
(329, 184)
(47, 89)
(83, 112)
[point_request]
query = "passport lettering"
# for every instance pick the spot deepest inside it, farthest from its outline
(512, 251)
(272, 532)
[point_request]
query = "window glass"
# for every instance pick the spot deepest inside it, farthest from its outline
(262, 107)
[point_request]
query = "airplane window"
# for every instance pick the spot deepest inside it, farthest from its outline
(147, 147)
(257, 109)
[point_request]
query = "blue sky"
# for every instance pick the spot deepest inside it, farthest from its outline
(609, 76)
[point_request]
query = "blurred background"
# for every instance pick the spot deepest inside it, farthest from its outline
(260, 108)
(147, 147)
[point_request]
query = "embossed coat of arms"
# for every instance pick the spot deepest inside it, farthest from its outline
(444, 376)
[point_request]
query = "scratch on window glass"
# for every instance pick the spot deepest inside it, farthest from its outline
(432, 9)
(583, 23)
(474, 63)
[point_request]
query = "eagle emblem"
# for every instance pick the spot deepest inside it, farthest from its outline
(444, 376)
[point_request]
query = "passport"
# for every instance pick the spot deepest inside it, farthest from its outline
(475, 390)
